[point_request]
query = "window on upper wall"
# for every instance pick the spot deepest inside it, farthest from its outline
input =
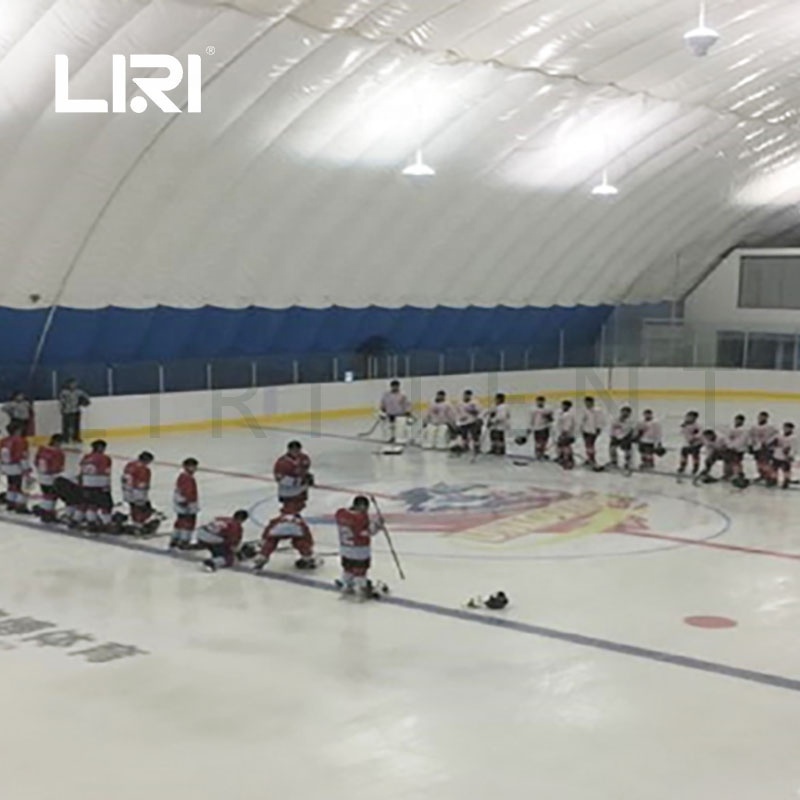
(769, 282)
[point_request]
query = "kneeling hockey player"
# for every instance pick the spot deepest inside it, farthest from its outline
(14, 465)
(49, 466)
(715, 450)
(287, 527)
(356, 530)
(136, 478)
(221, 538)
(95, 472)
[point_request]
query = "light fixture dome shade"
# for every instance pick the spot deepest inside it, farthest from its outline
(605, 189)
(419, 171)
(418, 168)
(700, 40)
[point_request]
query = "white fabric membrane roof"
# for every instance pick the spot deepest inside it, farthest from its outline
(286, 189)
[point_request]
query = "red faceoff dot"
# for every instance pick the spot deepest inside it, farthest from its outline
(711, 622)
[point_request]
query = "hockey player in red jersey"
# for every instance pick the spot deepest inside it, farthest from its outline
(222, 538)
(95, 478)
(185, 502)
(49, 463)
(292, 472)
(356, 530)
(287, 527)
(14, 465)
(136, 478)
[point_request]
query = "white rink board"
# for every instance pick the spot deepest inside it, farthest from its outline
(111, 414)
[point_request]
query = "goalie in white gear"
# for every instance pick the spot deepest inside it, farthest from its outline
(396, 416)
(439, 423)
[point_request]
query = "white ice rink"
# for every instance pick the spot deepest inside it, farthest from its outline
(590, 686)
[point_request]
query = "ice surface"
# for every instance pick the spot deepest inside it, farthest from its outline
(248, 687)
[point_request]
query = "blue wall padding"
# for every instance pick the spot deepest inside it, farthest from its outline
(121, 335)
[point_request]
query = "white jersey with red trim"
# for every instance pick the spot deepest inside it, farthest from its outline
(763, 436)
(440, 413)
(692, 433)
(785, 447)
(286, 526)
(468, 412)
(622, 428)
(649, 432)
(591, 420)
(567, 423)
(737, 439)
(395, 404)
(542, 418)
(498, 418)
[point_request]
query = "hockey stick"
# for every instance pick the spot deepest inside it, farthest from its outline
(382, 523)
(375, 424)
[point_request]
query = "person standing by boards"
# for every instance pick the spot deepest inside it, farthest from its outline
(71, 400)
(20, 410)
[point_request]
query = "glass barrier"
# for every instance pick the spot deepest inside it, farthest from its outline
(621, 343)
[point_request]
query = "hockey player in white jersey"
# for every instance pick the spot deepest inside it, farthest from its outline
(692, 435)
(469, 421)
(566, 430)
(649, 436)
(715, 449)
(498, 423)
(542, 419)
(439, 423)
(623, 429)
(762, 442)
(591, 422)
(737, 439)
(784, 454)
(396, 416)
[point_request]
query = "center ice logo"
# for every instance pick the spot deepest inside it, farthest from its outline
(482, 513)
(153, 89)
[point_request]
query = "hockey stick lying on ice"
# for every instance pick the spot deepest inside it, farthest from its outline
(382, 523)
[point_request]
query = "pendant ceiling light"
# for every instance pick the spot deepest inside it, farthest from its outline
(702, 38)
